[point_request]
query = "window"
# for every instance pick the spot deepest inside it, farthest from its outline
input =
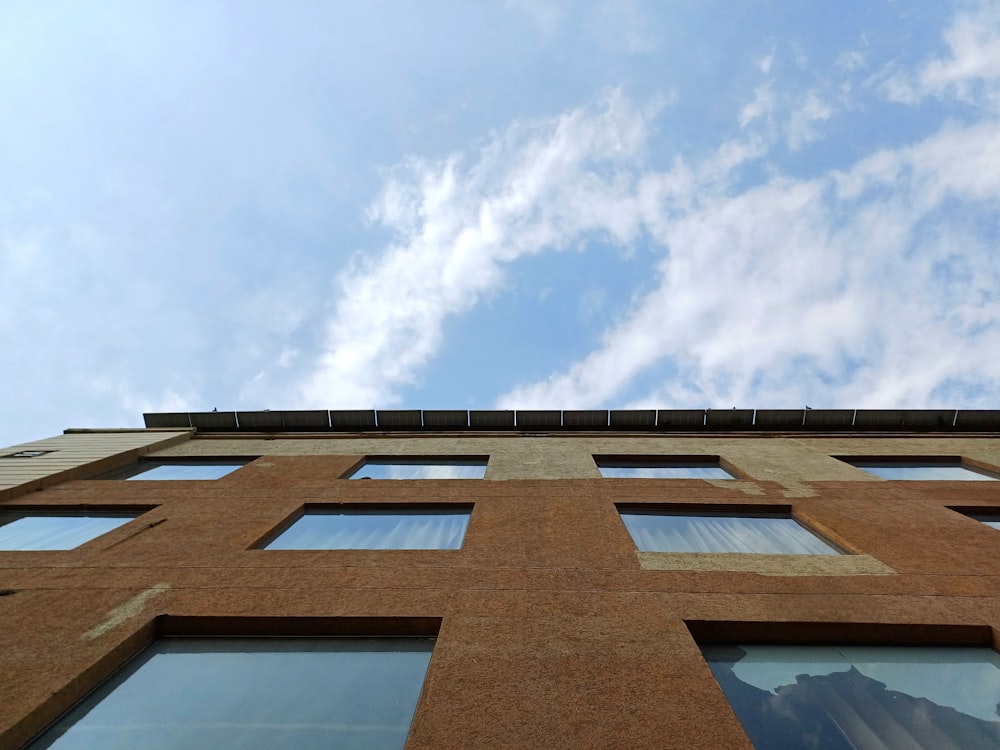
(27, 454)
(989, 519)
(43, 530)
(920, 470)
(655, 530)
(179, 470)
(662, 467)
(376, 528)
(847, 697)
(306, 693)
(401, 468)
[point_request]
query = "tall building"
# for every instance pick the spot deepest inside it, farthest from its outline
(438, 579)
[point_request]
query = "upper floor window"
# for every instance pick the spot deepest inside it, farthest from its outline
(844, 697)
(179, 470)
(376, 528)
(254, 692)
(657, 530)
(32, 530)
(662, 467)
(923, 469)
(421, 468)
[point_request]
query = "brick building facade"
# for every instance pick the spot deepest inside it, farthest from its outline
(553, 625)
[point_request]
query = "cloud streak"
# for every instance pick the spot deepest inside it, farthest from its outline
(457, 224)
(853, 288)
(857, 286)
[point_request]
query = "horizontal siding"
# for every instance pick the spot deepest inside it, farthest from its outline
(72, 455)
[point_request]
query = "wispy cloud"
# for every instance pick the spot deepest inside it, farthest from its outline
(974, 41)
(802, 127)
(178, 233)
(971, 71)
(457, 223)
(762, 106)
(853, 288)
(862, 286)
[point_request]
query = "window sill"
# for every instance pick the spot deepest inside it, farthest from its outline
(767, 565)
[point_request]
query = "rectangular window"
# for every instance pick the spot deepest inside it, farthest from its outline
(33, 530)
(31, 453)
(179, 470)
(655, 530)
(303, 693)
(945, 469)
(422, 468)
(661, 467)
(374, 528)
(847, 697)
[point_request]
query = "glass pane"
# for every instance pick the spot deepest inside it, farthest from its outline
(670, 532)
(187, 471)
(401, 469)
(213, 694)
(662, 471)
(861, 697)
(376, 529)
(54, 532)
(923, 472)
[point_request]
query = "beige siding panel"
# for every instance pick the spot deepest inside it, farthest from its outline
(77, 455)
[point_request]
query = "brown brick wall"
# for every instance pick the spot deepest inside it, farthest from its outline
(552, 634)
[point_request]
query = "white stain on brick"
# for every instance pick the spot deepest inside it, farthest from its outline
(123, 612)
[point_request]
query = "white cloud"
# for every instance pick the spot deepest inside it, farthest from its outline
(764, 64)
(971, 72)
(456, 223)
(801, 128)
(851, 60)
(790, 290)
(974, 39)
(761, 106)
(854, 287)
(773, 116)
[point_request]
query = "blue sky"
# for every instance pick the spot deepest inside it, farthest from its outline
(515, 204)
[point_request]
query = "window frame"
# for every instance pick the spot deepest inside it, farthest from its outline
(918, 462)
(134, 471)
(30, 453)
(823, 633)
(262, 544)
(131, 511)
(728, 510)
(419, 460)
(670, 461)
(164, 626)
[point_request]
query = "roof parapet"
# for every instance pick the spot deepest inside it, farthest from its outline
(620, 420)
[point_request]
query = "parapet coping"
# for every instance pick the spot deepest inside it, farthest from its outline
(698, 421)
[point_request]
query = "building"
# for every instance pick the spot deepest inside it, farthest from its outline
(593, 579)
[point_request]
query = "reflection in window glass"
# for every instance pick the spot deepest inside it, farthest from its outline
(661, 470)
(421, 469)
(664, 531)
(181, 471)
(922, 472)
(218, 693)
(376, 529)
(861, 697)
(55, 531)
